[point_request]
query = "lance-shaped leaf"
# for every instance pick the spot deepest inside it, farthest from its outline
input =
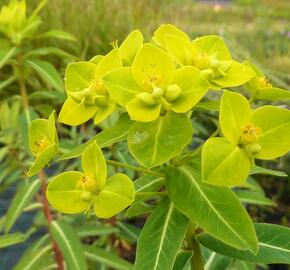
(156, 142)
(69, 245)
(224, 163)
(130, 46)
(273, 241)
(161, 238)
(260, 170)
(96, 254)
(43, 142)
(94, 164)
(212, 208)
(182, 260)
(117, 194)
(235, 112)
(275, 131)
(63, 195)
(164, 30)
(20, 201)
(152, 64)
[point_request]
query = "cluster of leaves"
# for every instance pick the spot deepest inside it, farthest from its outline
(144, 97)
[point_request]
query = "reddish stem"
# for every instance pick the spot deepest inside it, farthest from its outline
(49, 218)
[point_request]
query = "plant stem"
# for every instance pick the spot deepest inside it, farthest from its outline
(134, 168)
(48, 217)
(193, 244)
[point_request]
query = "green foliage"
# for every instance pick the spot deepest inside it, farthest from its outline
(145, 100)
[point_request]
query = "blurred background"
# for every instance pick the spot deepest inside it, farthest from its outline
(258, 30)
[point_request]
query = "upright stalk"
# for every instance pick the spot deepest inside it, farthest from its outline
(193, 245)
(46, 210)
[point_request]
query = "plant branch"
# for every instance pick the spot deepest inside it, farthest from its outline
(193, 244)
(134, 168)
(48, 217)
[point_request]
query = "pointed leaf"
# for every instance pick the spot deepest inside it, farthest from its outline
(161, 238)
(235, 112)
(94, 164)
(260, 170)
(69, 245)
(21, 199)
(212, 208)
(273, 241)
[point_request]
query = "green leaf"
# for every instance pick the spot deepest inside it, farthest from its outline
(212, 208)
(235, 112)
(6, 54)
(94, 164)
(156, 142)
(43, 159)
(273, 241)
(48, 73)
(254, 197)
(138, 209)
(193, 87)
(236, 75)
(121, 85)
(260, 170)
(7, 240)
(73, 113)
(148, 183)
(109, 62)
(272, 93)
(161, 238)
(78, 76)
(182, 260)
(21, 199)
(130, 46)
(152, 62)
(96, 254)
(223, 163)
(117, 194)
(212, 45)
(164, 30)
(107, 137)
(139, 111)
(49, 51)
(215, 261)
(211, 105)
(274, 123)
(63, 195)
(69, 245)
(59, 34)
(88, 230)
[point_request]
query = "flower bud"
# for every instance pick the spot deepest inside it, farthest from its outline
(253, 148)
(157, 92)
(147, 98)
(208, 74)
(202, 61)
(86, 196)
(172, 92)
(100, 100)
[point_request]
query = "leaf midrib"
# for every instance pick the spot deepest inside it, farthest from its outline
(213, 208)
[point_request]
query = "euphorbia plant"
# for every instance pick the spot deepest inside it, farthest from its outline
(192, 195)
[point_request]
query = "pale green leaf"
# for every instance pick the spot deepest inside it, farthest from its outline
(253, 197)
(156, 142)
(56, 33)
(260, 170)
(223, 163)
(235, 113)
(117, 194)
